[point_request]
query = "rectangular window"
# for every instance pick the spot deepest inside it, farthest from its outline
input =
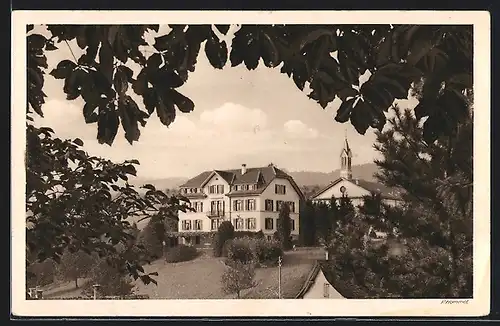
(211, 190)
(215, 224)
(237, 205)
(216, 208)
(220, 189)
(238, 223)
(326, 290)
(251, 187)
(269, 205)
(269, 223)
(279, 189)
(201, 206)
(198, 225)
(278, 204)
(250, 204)
(291, 205)
(251, 223)
(186, 225)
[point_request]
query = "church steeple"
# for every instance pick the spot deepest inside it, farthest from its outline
(345, 160)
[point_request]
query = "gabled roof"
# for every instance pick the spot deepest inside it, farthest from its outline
(251, 176)
(323, 266)
(383, 190)
(197, 181)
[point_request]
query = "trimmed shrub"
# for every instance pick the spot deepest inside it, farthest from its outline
(268, 252)
(241, 250)
(224, 233)
(246, 234)
(260, 235)
(181, 253)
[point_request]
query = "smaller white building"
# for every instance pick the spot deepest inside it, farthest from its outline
(354, 188)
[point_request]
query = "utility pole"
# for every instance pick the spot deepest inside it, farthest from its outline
(279, 277)
(96, 288)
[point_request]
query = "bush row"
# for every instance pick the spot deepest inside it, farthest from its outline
(181, 253)
(257, 250)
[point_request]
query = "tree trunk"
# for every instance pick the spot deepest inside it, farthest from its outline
(76, 282)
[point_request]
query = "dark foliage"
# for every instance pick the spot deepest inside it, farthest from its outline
(224, 233)
(395, 55)
(181, 253)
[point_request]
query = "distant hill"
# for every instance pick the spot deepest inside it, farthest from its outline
(307, 178)
(302, 178)
(163, 183)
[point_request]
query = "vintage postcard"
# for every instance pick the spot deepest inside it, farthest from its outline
(250, 163)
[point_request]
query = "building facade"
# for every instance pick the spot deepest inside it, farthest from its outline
(354, 188)
(250, 198)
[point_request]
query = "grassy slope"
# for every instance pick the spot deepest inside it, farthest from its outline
(200, 279)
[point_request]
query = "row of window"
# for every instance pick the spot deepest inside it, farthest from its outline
(280, 189)
(238, 223)
(247, 223)
(242, 205)
(216, 189)
(247, 205)
(219, 189)
(245, 187)
(197, 225)
(269, 223)
(269, 205)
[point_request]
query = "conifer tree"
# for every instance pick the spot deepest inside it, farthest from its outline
(307, 223)
(284, 227)
(434, 223)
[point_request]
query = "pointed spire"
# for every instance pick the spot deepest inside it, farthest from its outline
(347, 148)
(345, 159)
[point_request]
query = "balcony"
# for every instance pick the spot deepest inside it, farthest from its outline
(215, 214)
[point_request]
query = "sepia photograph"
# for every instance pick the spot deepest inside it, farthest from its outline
(209, 163)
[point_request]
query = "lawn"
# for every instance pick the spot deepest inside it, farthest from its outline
(200, 279)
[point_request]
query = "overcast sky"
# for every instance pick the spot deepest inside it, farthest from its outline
(253, 117)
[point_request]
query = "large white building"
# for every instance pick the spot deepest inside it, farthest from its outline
(353, 187)
(248, 197)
